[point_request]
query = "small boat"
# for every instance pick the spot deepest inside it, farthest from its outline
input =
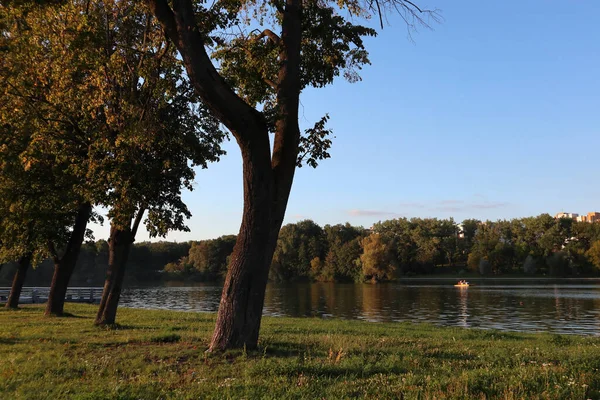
(462, 284)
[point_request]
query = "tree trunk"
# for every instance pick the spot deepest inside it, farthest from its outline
(18, 281)
(240, 309)
(63, 267)
(118, 251)
(267, 186)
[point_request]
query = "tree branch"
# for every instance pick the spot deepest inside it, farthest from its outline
(269, 34)
(180, 23)
(137, 221)
(53, 252)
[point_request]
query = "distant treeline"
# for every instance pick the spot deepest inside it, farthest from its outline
(345, 253)
(145, 264)
(417, 246)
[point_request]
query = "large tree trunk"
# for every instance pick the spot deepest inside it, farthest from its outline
(18, 281)
(119, 245)
(240, 309)
(64, 267)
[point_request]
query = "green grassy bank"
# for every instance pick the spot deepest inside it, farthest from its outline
(160, 354)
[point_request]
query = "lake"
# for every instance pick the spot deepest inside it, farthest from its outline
(558, 308)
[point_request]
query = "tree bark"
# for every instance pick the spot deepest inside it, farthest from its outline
(242, 300)
(119, 245)
(240, 308)
(63, 267)
(18, 281)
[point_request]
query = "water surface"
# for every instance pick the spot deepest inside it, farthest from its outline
(558, 308)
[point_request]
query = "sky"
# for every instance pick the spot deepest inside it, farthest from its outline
(492, 114)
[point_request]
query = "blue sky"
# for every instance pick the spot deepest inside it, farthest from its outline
(495, 113)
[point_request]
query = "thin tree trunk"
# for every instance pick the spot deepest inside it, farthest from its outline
(118, 252)
(64, 267)
(18, 281)
(119, 246)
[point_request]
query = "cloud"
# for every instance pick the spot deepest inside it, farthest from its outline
(451, 202)
(371, 213)
(449, 209)
(409, 204)
(298, 216)
(489, 205)
(456, 206)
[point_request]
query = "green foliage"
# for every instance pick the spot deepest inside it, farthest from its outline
(210, 258)
(377, 260)
(473, 262)
(95, 110)
(298, 244)
(422, 244)
(594, 254)
(342, 262)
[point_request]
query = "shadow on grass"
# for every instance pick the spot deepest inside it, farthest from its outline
(124, 327)
(69, 315)
(334, 371)
(481, 334)
(282, 349)
(20, 309)
(449, 355)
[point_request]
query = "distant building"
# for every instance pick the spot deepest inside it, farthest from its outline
(566, 215)
(590, 217)
(593, 217)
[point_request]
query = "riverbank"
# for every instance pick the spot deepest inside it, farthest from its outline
(160, 354)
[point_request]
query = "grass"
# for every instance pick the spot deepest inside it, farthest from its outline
(160, 355)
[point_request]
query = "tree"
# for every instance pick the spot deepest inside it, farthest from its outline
(159, 129)
(49, 129)
(377, 260)
(342, 262)
(594, 254)
(209, 257)
(265, 70)
(105, 101)
(298, 244)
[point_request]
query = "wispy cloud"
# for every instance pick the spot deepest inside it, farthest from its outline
(460, 206)
(451, 202)
(371, 213)
(489, 205)
(449, 209)
(451, 206)
(411, 204)
(298, 216)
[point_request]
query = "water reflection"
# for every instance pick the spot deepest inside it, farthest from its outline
(553, 308)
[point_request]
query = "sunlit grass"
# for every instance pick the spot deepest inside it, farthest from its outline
(160, 354)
